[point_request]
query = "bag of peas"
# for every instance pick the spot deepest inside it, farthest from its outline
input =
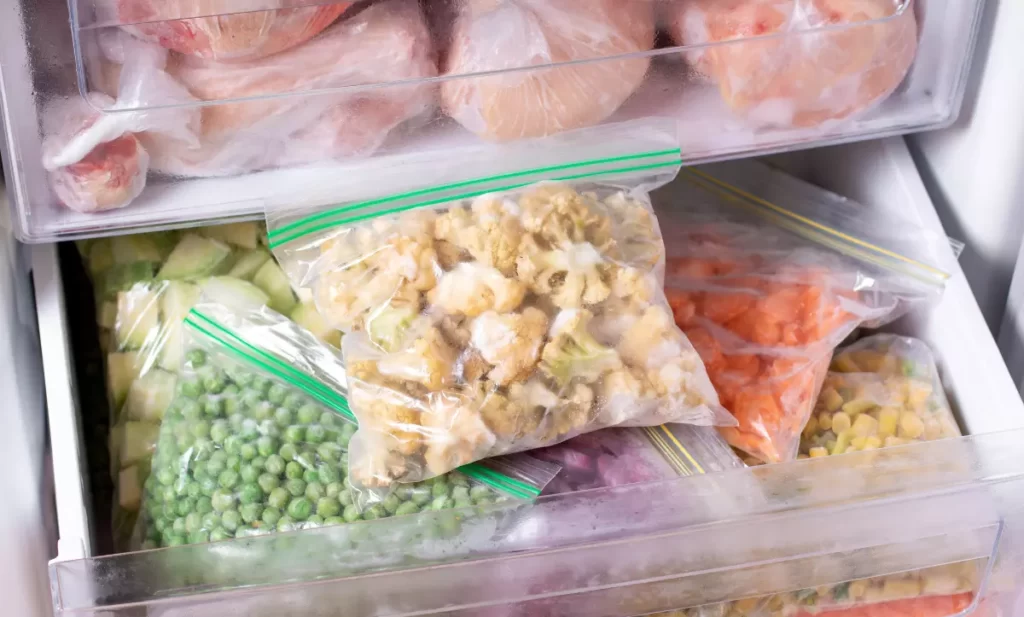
(256, 440)
(766, 275)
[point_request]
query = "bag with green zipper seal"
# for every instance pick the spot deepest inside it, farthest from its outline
(500, 313)
(256, 440)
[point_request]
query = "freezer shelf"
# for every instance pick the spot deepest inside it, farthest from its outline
(264, 136)
(958, 491)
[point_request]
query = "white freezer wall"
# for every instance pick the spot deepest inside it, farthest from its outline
(974, 170)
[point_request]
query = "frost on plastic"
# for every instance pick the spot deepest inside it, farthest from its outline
(782, 76)
(225, 38)
(881, 391)
(501, 323)
(490, 35)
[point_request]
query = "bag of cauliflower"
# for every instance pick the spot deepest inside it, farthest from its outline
(498, 313)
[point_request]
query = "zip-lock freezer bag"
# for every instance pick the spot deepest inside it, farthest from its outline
(618, 456)
(500, 313)
(144, 286)
(767, 275)
(881, 391)
(256, 440)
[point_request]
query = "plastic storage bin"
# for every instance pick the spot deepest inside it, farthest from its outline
(147, 114)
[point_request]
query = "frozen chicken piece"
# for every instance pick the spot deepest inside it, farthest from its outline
(387, 42)
(817, 72)
(219, 31)
(493, 35)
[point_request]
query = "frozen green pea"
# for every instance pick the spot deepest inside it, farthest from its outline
(258, 463)
(235, 421)
(276, 394)
(204, 505)
(230, 520)
(458, 479)
(391, 503)
(244, 379)
(247, 452)
(250, 512)
(293, 401)
(249, 398)
(193, 521)
(230, 389)
(479, 492)
(159, 523)
(333, 490)
(211, 520)
(351, 513)
(250, 432)
(228, 478)
(266, 445)
(184, 506)
(193, 490)
(440, 489)
(295, 486)
(166, 476)
(310, 476)
(249, 494)
(268, 482)
(374, 512)
(190, 388)
(279, 498)
(463, 503)
(222, 500)
(293, 470)
(327, 507)
(261, 385)
(219, 534)
(248, 473)
(442, 502)
(215, 466)
(178, 526)
(307, 414)
(294, 434)
(219, 431)
(460, 492)
(271, 516)
(275, 465)
(214, 384)
(421, 496)
(262, 412)
(201, 429)
(314, 491)
(233, 443)
(333, 520)
(195, 358)
(231, 404)
(345, 497)
(283, 417)
(299, 508)
(315, 520)
(327, 473)
(233, 462)
(208, 485)
(407, 507)
(176, 539)
(315, 433)
(329, 419)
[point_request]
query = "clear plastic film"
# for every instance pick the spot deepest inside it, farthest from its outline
(255, 440)
(881, 391)
(767, 275)
(500, 313)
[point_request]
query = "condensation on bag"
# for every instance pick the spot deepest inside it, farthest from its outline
(232, 37)
(491, 35)
(801, 78)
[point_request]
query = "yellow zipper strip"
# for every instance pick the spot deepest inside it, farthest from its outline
(671, 448)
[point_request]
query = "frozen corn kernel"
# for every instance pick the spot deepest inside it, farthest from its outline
(858, 406)
(825, 421)
(872, 443)
(842, 442)
(865, 426)
(949, 428)
(941, 584)
(868, 360)
(840, 422)
(932, 429)
(818, 452)
(844, 364)
(891, 441)
(896, 588)
(918, 393)
(830, 399)
(811, 427)
(857, 443)
(858, 589)
(888, 421)
(911, 426)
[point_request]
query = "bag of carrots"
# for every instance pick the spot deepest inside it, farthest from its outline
(767, 275)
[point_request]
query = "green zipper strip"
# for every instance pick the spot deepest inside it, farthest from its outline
(323, 393)
(500, 481)
(817, 232)
(262, 360)
(275, 243)
(308, 220)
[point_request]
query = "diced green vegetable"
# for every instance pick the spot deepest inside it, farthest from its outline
(138, 317)
(271, 279)
(233, 292)
(124, 276)
(244, 235)
(130, 249)
(149, 396)
(309, 318)
(129, 488)
(194, 257)
(249, 263)
(99, 258)
(137, 442)
(172, 347)
(106, 315)
(123, 368)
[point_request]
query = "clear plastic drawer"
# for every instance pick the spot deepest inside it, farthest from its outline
(148, 114)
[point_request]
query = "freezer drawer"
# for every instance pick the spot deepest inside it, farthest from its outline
(626, 551)
(403, 79)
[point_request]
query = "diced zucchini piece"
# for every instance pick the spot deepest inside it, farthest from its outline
(194, 257)
(150, 395)
(234, 292)
(165, 242)
(106, 315)
(177, 300)
(249, 263)
(245, 235)
(138, 317)
(135, 247)
(122, 369)
(125, 276)
(273, 280)
(129, 488)
(172, 348)
(309, 318)
(99, 257)
(138, 442)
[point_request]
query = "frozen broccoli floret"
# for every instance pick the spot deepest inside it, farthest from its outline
(387, 327)
(572, 352)
(472, 289)
(427, 361)
(490, 232)
(511, 342)
(573, 275)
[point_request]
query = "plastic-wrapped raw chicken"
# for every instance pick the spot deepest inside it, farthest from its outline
(231, 37)
(803, 78)
(494, 35)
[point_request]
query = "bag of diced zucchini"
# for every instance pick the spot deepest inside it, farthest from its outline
(255, 440)
(500, 313)
(145, 284)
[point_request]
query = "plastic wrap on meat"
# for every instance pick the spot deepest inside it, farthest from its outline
(388, 41)
(493, 35)
(804, 78)
(226, 38)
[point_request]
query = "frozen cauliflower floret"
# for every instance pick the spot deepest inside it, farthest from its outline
(504, 417)
(625, 393)
(637, 240)
(391, 416)
(633, 284)
(574, 413)
(559, 215)
(472, 289)
(387, 327)
(455, 431)
(428, 361)
(574, 275)
(490, 232)
(573, 353)
(654, 343)
(511, 342)
(378, 467)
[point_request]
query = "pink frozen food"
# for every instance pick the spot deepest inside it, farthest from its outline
(495, 35)
(220, 32)
(832, 58)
